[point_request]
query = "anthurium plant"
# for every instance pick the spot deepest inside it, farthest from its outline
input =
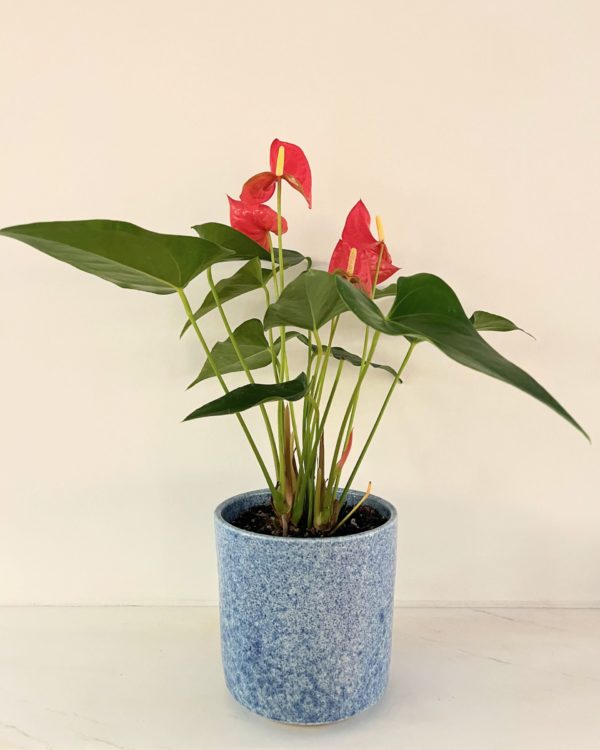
(308, 476)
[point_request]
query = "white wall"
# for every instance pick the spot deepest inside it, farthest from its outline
(471, 127)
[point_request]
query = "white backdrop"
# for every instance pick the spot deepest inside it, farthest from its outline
(471, 127)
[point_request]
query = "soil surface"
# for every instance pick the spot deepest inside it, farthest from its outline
(262, 520)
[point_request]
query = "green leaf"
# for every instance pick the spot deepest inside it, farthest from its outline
(251, 395)
(337, 352)
(485, 321)
(426, 307)
(251, 342)
(386, 291)
(309, 301)
(123, 253)
(242, 247)
(246, 279)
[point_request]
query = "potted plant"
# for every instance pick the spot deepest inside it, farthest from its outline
(306, 565)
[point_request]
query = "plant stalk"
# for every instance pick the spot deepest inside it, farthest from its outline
(242, 361)
(244, 426)
(377, 421)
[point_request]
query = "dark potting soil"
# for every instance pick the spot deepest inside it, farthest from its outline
(262, 520)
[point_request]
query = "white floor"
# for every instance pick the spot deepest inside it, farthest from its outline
(140, 678)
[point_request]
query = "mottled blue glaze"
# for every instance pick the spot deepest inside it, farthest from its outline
(306, 624)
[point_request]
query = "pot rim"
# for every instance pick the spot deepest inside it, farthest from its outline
(347, 539)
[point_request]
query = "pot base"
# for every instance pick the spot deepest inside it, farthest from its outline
(308, 724)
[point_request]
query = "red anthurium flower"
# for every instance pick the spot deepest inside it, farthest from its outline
(357, 233)
(295, 170)
(255, 221)
(354, 266)
(259, 189)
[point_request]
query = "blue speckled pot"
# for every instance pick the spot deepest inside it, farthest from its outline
(306, 624)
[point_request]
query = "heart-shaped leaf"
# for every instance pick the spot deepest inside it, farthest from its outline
(251, 395)
(246, 279)
(254, 347)
(426, 307)
(123, 253)
(485, 321)
(309, 301)
(338, 353)
(242, 246)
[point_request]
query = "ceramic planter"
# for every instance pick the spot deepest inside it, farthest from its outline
(306, 624)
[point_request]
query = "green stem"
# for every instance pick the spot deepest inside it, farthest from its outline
(308, 427)
(281, 435)
(331, 395)
(311, 505)
(295, 431)
(280, 237)
(316, 378)
(321, 383)
(306, 413)
(349, 416)
(274, 358)
(244, 426)
(283, 366)
(278, 366)
(336, 474)
(242, 360)
(377, 421)
(273, 267)
(364, 370)
(350, 412)
(318, 425)
(309, 465)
